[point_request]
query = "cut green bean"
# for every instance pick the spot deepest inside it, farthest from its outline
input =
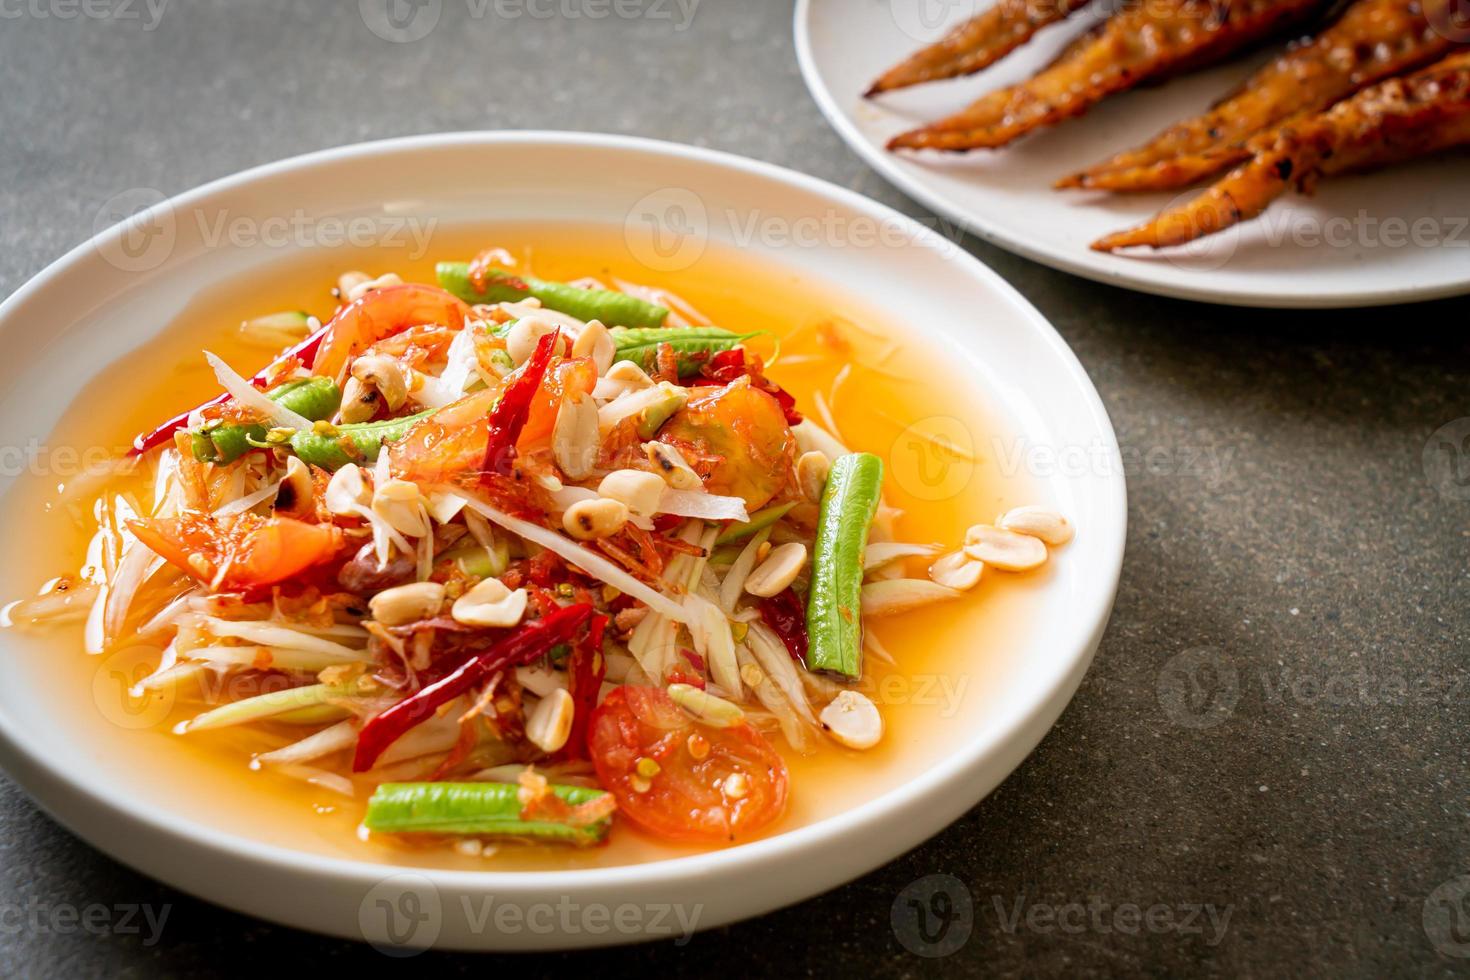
(693, 345)
(479, 809)
(314, 398)
(759, 521)
(834, 616)
(325, 449)
(613, 309)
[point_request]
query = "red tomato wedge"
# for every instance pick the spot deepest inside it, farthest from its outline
(691, 795)
(570, 376)
(252, 550)
(449, 442)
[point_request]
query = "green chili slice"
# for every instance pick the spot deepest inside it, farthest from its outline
(834, 616)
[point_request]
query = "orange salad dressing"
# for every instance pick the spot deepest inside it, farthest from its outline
(893, 398)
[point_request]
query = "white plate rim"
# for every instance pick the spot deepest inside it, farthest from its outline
(23, 753)
(1126, 276)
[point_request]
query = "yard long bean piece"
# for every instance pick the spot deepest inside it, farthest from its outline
(314, 398)
(329, 449)
(692, 345)
(481, 809)
(613, 309)
(834, 615)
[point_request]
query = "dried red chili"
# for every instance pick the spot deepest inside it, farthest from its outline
(509, 415)
(520, 647)
(786, 616)
(585, 671)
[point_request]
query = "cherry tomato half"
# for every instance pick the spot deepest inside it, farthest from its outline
(682, 780)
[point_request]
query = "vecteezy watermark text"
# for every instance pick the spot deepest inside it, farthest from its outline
(405, 914)
(63, 918)
(406, 21)
(149, 12)
(935, 915)
(1202, 687)
(149, 227)
(1205, 920)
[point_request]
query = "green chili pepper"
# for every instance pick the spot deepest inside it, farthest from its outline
(474, 808)
(613, 309)
(693, 345)
(314, 398)
(834, 615)
(325, 449)
(759, 521)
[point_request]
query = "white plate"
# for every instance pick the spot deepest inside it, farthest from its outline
(1399, 235)
(111, 295)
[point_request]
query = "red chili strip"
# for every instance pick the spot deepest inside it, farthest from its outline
(785, 614)
(520, 647)
(304, 351)
(585, 672)
(509, 415)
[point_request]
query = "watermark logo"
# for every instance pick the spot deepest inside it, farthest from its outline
(933, 458)
(401, 21)
(401, 915)
(668, 230)
(117, 695)
(148, 233)
(927, 20)
(1447, 917)
(934, 916)
(1450, 19)
(1198, 688)
(1210, 244)
(1446, 460)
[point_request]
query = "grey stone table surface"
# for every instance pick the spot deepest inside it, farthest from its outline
(1292, 564)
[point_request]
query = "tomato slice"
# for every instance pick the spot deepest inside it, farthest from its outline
(572, 375)
(252, 550)
(691, 797)
(450, 441)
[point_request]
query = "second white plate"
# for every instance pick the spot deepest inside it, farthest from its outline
(1395, 236)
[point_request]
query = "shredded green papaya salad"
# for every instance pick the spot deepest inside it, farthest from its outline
(518, 560)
